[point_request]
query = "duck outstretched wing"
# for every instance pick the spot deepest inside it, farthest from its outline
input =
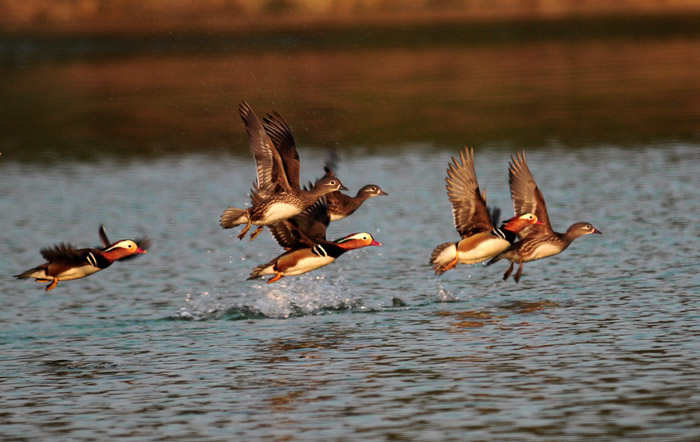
(468, 201)
(281, 136)
(527, 197)
(272, 177)
(65, 253)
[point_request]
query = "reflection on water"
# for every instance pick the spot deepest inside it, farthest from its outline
(525, 94)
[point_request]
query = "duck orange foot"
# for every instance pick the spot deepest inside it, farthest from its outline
(277, 277)
(450, 265)
(53, 285)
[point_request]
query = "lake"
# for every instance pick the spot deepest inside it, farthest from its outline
(598, 343)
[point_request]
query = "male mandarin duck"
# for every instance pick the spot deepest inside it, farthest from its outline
(277, 185)
(65, 262)
(304, 238)
(481, 240)
(539, 241)
(341, 205)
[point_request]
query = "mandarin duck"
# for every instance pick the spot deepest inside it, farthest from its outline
(481, 240)
(341, 205)
(304, 238)
(538, 241)
(277, 185)
(64, 262)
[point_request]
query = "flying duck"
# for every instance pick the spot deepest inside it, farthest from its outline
(537, 241)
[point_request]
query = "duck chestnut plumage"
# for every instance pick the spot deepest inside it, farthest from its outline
(65, 262)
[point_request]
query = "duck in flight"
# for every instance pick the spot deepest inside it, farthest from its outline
(65, 262)
(278, 195)
(481, 239)
(537, 241)
(307, 249)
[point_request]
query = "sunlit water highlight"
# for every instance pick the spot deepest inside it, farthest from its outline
(598, 343)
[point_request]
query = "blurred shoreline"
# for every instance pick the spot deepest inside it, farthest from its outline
(154, 17)
(441, 77)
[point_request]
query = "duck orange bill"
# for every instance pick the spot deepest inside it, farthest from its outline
(375, 243)
(539, 222)
(140, 250)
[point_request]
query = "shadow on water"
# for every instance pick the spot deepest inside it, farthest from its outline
(621, 80)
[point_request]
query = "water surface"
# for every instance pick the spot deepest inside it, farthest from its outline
(598, 343)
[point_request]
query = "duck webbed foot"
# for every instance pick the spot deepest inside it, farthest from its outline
(257, 232)
(508, 272)
(275, 278)
(519, 273)
(53, 285)
(245, 229)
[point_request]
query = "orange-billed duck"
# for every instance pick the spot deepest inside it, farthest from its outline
(64, 262)
(481, 240)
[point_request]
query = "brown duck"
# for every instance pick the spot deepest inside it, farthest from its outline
(538, 241)
(277, 187)
(341, 205)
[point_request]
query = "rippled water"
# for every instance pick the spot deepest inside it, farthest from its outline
(598, 343)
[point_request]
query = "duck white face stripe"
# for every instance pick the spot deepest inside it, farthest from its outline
(123, 244)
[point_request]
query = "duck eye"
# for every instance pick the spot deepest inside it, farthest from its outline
(332, 183)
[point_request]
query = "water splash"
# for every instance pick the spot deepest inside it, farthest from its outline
(311, 295)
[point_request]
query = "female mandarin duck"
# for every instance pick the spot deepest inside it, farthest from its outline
(304, 238)
(540, 241)
(341, 205)
(277, 186)
(65, 262)
(480, 239)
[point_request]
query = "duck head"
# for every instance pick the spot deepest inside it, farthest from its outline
(125, 248)
(328, 184)
(369, 191)
(357, 241)
(580, 229)
(518, 223)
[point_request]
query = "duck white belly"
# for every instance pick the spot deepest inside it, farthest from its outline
(78, 272)
(544, 250)
(280, 211)
(472, 252)
(336, 217)
(307, 264)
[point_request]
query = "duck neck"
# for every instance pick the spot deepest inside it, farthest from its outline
(361, 196)
(504, 233)
(319, 191)
(328, 249)
(100, 259)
